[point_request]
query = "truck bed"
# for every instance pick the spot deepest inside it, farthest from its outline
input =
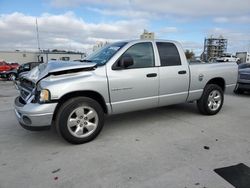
(201, 73)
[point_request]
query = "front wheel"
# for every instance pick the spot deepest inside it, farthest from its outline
(12, 76)
(80, 120)
(211, 100)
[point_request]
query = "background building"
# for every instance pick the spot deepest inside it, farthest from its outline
(24, 56)
(214, 48)
(99, 44)
(147, 35)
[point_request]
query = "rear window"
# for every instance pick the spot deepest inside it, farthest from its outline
(169, 54)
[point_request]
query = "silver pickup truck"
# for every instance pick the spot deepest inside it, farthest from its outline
(121, 77)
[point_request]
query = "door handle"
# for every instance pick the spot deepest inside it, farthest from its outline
(182, 72)
(151, 75)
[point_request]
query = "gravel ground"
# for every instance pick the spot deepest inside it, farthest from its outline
(172, 147)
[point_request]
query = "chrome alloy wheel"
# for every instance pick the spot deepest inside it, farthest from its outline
(214, 100)
(82, 122)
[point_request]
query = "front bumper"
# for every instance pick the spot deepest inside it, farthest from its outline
(230, 88)
(243, 86)
(34, 114)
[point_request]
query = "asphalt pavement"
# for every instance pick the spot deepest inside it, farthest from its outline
(172, 147)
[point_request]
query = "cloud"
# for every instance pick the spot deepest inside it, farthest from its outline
(193, 8)
(166, 30)
(233, 20)
(127, 13)
(221, 19)
(196, 47)
(62, 31)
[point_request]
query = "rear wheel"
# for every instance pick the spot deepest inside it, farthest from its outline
(80, 120)
(211, 100)
(238, 91)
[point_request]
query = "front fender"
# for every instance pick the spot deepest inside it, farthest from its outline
(61, 85)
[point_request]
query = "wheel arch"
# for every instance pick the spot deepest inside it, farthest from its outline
(218, 81)
(87, 93)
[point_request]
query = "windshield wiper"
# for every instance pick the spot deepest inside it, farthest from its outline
(86, 60)
(83, 60)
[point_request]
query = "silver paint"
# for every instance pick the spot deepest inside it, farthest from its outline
(129, 89)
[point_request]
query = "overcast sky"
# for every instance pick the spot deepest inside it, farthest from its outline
(78, 24)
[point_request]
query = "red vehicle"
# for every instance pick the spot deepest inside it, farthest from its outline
(8, 66)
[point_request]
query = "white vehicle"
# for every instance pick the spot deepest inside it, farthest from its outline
(228, 58)
(243, 56)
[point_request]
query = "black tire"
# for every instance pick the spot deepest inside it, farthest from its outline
(67, 109)
(29, 128)
(203, 102)
(12, 76)
(238, 91)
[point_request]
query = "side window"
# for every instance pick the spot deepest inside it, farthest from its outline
(142, 55)
(169, 54)
(65, 58)
(26, 66)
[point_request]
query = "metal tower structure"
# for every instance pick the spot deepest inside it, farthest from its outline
(214, 47)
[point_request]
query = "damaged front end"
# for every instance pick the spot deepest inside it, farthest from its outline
(28, 84)
(33, 106)
(26, 89)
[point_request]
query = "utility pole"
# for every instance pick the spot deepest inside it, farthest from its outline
(37, 36)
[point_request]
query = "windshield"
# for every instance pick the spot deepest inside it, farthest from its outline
(102, 56)
(226, 56)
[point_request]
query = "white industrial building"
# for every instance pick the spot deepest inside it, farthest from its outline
(147, 35)
(24, 56)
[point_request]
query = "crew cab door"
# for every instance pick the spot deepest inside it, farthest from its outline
(134, 79)
(174, 74)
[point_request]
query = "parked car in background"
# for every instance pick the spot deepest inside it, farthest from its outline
(9, 75)
(243, 56)
(195, 60)
(8, 70)
(243, 83)
(27, 67)
(15, 73)
(228, 58)
(8, 66)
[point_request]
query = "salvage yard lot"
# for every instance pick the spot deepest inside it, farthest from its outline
(162, 147)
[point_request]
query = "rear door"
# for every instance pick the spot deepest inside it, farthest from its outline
(135, 87)
(174, 74)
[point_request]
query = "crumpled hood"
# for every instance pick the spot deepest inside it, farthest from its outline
(57, 68)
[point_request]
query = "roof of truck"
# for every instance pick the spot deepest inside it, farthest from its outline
(149, 40)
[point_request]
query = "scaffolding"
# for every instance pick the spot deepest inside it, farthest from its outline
(214, 48)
